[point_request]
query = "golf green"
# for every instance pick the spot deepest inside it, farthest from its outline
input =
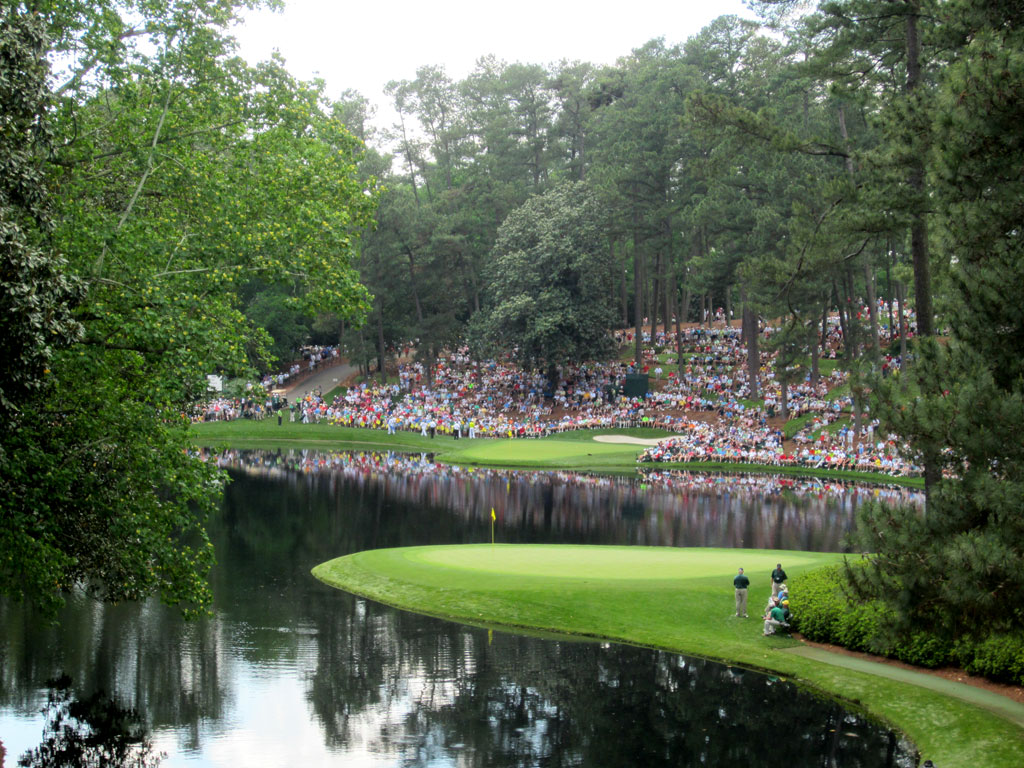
(676, 599)
(626, 563)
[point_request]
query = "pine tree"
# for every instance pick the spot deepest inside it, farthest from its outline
(957, 565)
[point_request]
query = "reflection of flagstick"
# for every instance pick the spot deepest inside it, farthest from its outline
(490, 636)
(492, 526)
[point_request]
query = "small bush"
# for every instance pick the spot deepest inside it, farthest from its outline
(997, 657)
(925, 650)
(817, 603)
(859, 627)
(822, 613)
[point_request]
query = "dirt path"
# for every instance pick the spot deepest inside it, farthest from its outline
(324, 379)
(987, 697)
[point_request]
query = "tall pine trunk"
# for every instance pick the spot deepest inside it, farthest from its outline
(637, 287)
(380, 341)
(750, 332)
(684, 300)
(918, 223)
(869, 280)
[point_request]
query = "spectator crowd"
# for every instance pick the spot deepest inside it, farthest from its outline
(705, 402)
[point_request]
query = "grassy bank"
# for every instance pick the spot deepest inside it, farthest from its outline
(675, 599)
(570, 450)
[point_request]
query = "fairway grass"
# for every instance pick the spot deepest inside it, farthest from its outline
(670, 598)
(576, 450)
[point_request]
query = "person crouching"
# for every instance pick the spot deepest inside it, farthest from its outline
(774, 618)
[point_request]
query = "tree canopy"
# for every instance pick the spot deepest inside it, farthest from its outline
(550, 276)
(860, 151)
(154, 181)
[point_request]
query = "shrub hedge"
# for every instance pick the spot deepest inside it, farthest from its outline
(824, 614)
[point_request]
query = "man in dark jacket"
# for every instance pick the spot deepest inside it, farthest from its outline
(741, 583)
(778, 579)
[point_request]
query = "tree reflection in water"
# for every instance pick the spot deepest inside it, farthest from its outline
(353, 682)
(94, 732)
(421, 697)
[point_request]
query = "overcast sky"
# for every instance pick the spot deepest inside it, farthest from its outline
(364, 45)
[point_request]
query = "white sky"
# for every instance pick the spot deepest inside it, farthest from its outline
(364, 45)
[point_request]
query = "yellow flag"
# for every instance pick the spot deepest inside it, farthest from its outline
(492, 514)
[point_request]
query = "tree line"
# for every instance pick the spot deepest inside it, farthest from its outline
(168, 209)
(802, 164)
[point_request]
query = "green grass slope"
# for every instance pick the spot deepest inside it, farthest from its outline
(662, 597)
(575, 450)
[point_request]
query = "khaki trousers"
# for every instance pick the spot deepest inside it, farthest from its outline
(741, 603)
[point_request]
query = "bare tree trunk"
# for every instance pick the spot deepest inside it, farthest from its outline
(380, 341)
(684, 299)
(637, 287)
(902, 323)
(655, 299)
(892, 299)
(622, 283)
(843, 320)
(366, 357)
(750, 329)
(815, 354)
(919, 224)
(415, 288)
(824, 334)
(869, 281)
(669, 293)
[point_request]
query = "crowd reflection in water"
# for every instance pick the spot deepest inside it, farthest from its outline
(657, 508)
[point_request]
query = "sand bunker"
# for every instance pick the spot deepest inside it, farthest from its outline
(628, 439)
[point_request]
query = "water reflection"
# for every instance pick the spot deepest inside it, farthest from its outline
(95, 731)
(521, 702)
(291, 672)
(671, 508)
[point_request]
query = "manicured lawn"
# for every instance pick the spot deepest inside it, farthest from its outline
(336, 392)
(662, 597)
(543, 452)
(575, 450)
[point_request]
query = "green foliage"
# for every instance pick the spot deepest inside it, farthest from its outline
(924, 649)
(816, 600)
(35, 294)
(269, 309)
(550, 273)
(998, 656)
(176, 175)
(962, 558)
(824, 611)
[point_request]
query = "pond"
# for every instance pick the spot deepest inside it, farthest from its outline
(290, 672)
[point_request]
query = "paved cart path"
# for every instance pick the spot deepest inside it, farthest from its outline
(325, 379)
(989, 700)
